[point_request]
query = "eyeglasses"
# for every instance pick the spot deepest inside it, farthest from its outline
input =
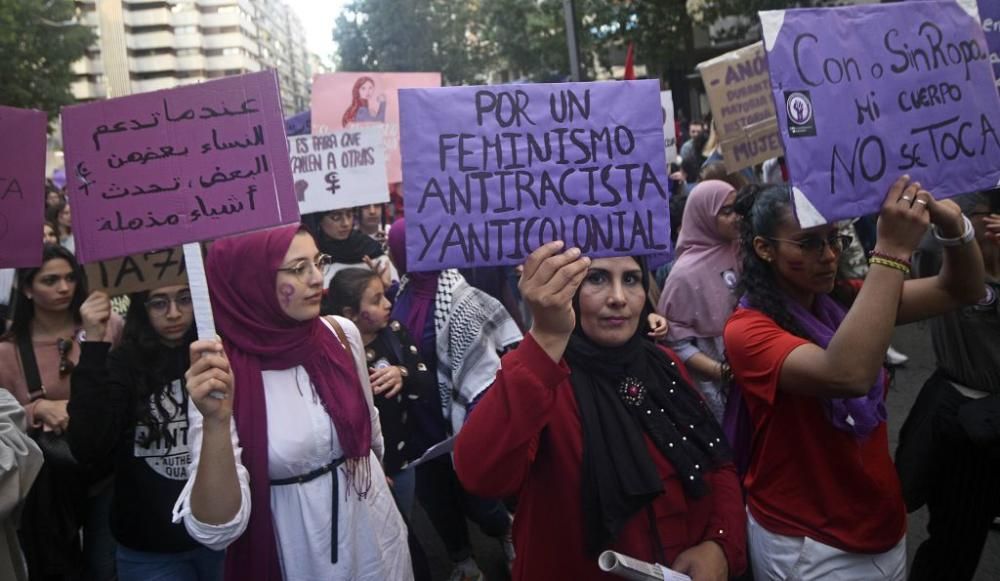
(160, 305)
(65, 365)
(817, 246)
(300, 268)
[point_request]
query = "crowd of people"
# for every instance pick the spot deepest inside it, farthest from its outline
(724, 415)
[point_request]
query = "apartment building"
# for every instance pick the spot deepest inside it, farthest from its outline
(177, 42)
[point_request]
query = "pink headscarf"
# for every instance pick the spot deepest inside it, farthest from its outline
(258, 336)
(696, 299)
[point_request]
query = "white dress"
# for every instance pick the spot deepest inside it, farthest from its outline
(372, 544)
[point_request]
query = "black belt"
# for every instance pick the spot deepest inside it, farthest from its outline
(313, 475)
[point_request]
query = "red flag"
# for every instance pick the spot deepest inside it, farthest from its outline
(630, 63)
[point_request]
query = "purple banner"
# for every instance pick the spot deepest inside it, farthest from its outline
(989, 15)
(493, 172)
(865, 94)
(166, 168)
(22, 186)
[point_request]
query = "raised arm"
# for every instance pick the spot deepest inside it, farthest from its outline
(500, 438)
(851, 362)
(961, 278)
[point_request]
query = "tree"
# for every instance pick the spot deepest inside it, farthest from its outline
(38, 45)
(411, 35)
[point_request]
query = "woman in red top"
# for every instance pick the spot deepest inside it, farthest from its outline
(824, 499)
(600, 435)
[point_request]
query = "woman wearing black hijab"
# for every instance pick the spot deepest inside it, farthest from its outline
(600, 434)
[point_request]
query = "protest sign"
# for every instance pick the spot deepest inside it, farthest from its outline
(194, 163)
(22, 186)
(494, 172)
(337, 170)
(739, 92)
(348, 100)
(669, 131)
(989, 15)
(138, 272)
(867, 93)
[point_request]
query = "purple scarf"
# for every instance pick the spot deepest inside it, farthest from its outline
(413, 307)
(857, 415)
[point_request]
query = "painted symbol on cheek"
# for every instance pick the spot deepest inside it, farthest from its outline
(796, 265)
(286, 291)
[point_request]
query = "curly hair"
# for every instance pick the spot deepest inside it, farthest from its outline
(762, 209)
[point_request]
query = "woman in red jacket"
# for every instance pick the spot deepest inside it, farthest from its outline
(600, 435)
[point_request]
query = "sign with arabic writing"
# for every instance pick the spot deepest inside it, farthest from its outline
(166, 168)
(22, 186)
(343, 169)
(867, 93)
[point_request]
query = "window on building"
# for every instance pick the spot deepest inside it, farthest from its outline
(185, 29)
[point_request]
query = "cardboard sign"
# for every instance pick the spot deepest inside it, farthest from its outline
(868, 93)
(351, 100)
(669, 131)
(494, 172)
(138, 272)
(22, 186)
(739, 91)
(194, 163)
(337, 170)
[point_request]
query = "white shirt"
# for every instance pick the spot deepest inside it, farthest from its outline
(372, 544)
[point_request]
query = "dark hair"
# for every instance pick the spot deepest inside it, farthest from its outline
(23, 310)
(142, 346)
(763, 209)
(347, 288)
(52, 215)
(717, 171)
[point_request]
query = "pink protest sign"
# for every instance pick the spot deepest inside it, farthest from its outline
(166, 168)
(22, 186)
(352, 100)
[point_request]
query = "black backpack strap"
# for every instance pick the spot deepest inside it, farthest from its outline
(31, 376)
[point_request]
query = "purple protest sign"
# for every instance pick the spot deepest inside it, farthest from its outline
(989, 15)
(865, 94)
(165, 168)
(491, 173)
(22, 186)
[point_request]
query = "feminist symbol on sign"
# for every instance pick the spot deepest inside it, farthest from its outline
(800, 114)
(332, 179)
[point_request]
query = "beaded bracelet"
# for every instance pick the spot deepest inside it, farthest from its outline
(891, 263)
(877, 254)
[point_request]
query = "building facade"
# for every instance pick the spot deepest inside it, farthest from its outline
(178, 42)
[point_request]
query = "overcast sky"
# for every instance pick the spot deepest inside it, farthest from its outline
(318, 17)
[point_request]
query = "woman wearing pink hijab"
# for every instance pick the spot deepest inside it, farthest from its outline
(699, 295)
(306, 497)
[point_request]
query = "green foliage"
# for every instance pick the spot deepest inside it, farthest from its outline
(468, 39)
(38, 45)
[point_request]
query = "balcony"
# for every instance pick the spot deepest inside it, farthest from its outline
(152, 64)
(87, 91)
(156, 17)
(145, 40)
(224, 40)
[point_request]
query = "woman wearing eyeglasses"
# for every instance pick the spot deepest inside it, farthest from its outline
(37, 357)
(305, 497)
(347, 246)
(699, 294)
(824, 500)
(129, 406)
